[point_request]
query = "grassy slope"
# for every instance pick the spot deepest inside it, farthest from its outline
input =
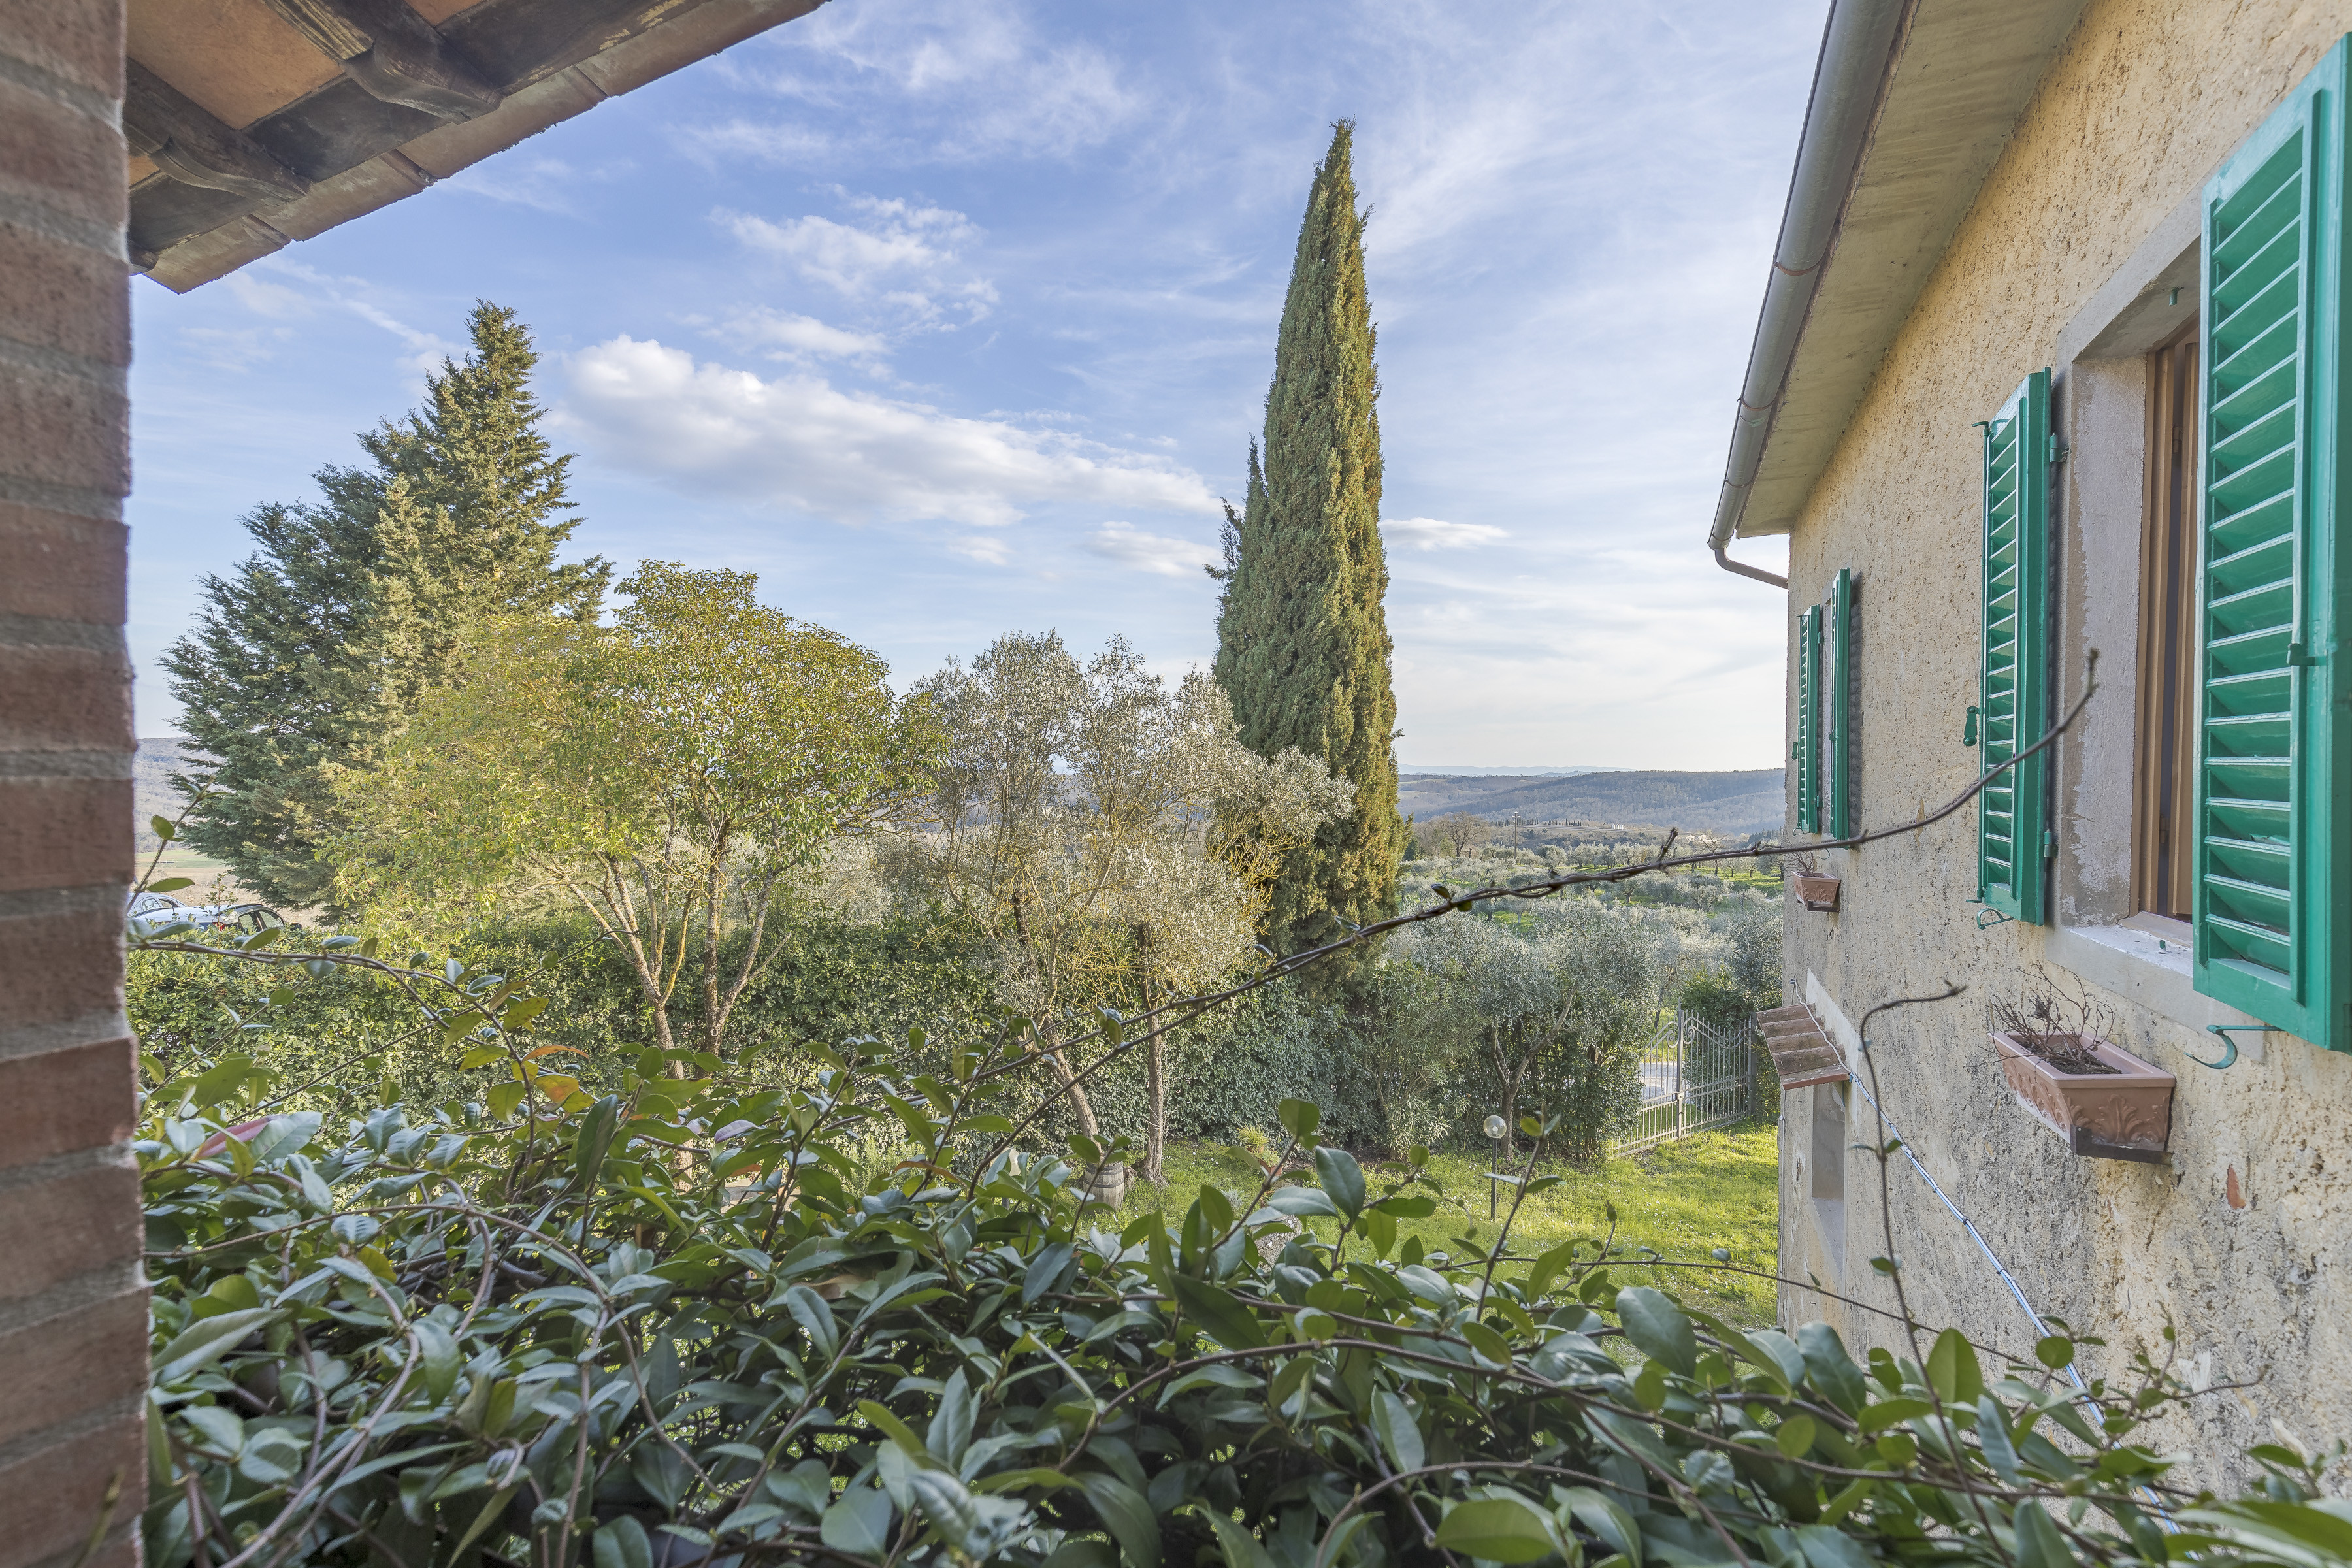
(1684, 1199)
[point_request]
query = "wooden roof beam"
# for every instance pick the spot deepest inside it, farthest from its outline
(177, 136)
(393, 55)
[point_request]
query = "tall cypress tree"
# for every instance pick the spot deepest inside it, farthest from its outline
(1302, 641)
(318, 645)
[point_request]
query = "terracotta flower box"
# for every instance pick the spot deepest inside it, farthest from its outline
(1816, 891)
(2125, 1114)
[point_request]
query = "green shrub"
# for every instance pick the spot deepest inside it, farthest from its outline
(729, 1319)
(1713, 996)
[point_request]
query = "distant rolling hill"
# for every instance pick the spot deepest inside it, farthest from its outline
(1745, 802)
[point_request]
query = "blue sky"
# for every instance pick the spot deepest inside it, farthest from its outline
(952, 317)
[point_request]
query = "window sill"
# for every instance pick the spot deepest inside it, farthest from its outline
(2146, 962)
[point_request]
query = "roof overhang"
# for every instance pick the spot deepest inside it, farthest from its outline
(1958, 78)
(256, 122)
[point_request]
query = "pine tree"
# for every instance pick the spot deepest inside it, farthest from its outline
(1302, 642)
(320, 645)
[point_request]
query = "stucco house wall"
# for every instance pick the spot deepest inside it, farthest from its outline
(2066, 260)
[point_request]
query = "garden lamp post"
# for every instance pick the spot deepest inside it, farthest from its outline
(1495, 1127)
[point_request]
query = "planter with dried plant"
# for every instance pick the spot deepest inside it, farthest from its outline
(2106, 1102)
(1815, 889)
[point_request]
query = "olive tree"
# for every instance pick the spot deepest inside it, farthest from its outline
(1458, 833)
(669, 774)
(1552, 1017)
(1108, 836)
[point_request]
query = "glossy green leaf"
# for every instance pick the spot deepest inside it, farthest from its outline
(858, 1523)
(976, 1526)
(1393, 1420)
(1826, 1548)
(590, 1143)
(816, 1318)
(1227, 1320)
(1830, 1368)
(441, 1357)
(620, 1542)
(950, 1430)
(1952, 1369)
(2039, 1543)
(1658, 1327)
(1242, 1549)
(1500, 1529)
(1045, 1270)
(1607, 1518)
(1300, 1201)
(1126, 1515)
(1343, 1179)
(207, 1340)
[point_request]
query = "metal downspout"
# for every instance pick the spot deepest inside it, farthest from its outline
(1857, 53)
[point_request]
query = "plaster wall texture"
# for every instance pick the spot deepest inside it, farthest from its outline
(2064, 260)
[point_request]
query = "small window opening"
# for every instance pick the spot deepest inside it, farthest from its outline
(1828, 1174)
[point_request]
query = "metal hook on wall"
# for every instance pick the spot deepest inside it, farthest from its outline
(1998, 917)
(2225, 1030)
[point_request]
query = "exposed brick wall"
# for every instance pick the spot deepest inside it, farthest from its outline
(72, 1310)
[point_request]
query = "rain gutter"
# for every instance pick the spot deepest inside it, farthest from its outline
(1858, 50)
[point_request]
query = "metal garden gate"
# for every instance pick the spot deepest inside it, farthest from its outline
(1694, 1075)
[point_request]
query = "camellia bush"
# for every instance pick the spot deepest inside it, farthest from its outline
(696, 1322)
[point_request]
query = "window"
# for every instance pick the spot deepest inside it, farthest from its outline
(1824, 752)
(1806, 752)
(2013, 672)
(1827, 1180)
(2271, 875)
(2165, 781)
(1840, 711)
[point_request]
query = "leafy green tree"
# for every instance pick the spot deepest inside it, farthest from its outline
(1302, 641)
(1547, 1023)
(1109, 837)
(318, 645)
(668, 776)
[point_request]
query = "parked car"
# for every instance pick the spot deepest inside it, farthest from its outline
(151, 913)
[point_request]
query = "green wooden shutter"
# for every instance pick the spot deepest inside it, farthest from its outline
(1807, 750)
(1838, 711)
(2013, 668)
(2271, 781)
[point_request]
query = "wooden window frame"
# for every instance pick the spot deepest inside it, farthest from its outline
(2164, 737)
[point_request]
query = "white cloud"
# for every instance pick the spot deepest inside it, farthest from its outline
(850, 456)
(969, 81)
(253, 289)
(282, 289)
(907, 254)
(229, 350)
(801, 338)
(850, 258)
(989, 549)
(1429, 534)
(543, 185)
(793, 146)
(1129, 545)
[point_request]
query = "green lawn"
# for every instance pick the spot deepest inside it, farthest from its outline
(1683, 1199)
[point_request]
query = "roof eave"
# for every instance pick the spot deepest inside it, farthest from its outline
(253, 223)
(1943, 98)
